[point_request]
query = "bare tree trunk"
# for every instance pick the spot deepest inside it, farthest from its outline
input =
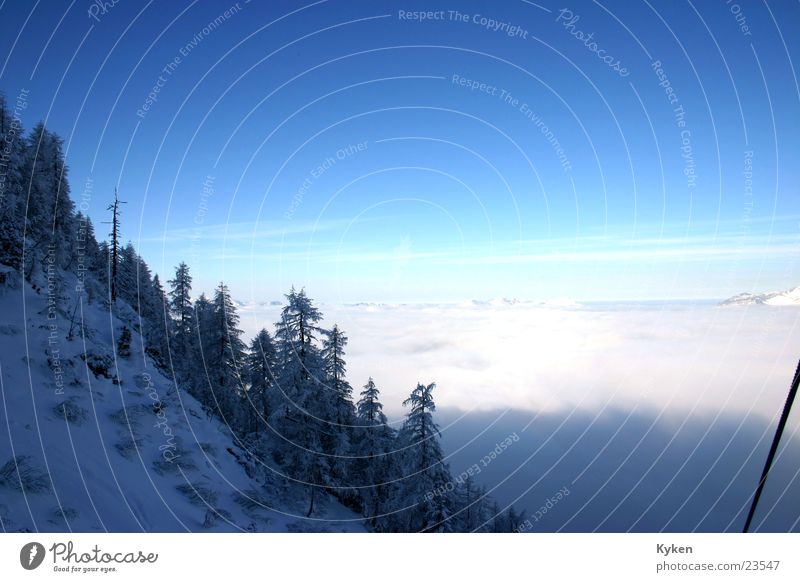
(72, 320)
(311, 506)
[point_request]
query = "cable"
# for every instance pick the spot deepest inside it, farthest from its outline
(774, 448)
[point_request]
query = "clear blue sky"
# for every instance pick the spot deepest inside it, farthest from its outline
(562, 175)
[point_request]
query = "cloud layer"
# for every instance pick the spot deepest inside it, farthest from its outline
(548, 358)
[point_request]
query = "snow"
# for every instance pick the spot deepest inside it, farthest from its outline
(791, 297)
(126, 452)
(781, 298)
(560, 302)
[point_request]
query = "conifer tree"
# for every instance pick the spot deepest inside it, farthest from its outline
(425, 489)
(89, 263)
(261, 366)
(103, 267)
(183, 328)
(50, 221)
(157, 323)
(335, 369)
(472, 513)
(224, 354)
(124, 343)
(369, 407)
(374, 442)
(305, 408)
(339, 392)
(127, 278)
(12, 160)
(198, 343)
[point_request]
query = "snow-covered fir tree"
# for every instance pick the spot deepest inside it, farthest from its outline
(183, 332)
(157, 324)
(423, 497)
(369, 407)
(335, 370)
(473, 510)
(124, 343)
(224, 354)
(127, 276)
(374, 441)
(90, 261)
(333, 344)
(12, 186)
(261, 368)
(305, 412)
(50, 219)
(193, 370)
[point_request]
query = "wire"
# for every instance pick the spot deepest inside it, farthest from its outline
(787, 407)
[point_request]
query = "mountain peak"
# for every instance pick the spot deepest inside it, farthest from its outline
(779, 298)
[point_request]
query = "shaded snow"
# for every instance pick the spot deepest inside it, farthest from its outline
(121, 449)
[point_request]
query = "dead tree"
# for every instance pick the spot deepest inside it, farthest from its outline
(114, 235)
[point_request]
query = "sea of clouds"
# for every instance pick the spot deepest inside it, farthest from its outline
(550, 357)
(655, 416)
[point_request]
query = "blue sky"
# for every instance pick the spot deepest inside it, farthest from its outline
(370, 156)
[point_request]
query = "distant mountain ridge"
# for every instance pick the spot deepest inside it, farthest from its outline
(778, 298)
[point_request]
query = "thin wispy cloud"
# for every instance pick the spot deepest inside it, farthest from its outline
(245, 231)
(595, 249)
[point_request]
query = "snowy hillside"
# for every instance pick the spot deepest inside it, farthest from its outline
(263, 435)
(105, 443)
(781, 298)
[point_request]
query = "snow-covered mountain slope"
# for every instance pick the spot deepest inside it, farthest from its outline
(782, 298)
(94, 442)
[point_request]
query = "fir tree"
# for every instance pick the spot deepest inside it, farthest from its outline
(374, 442)
(198, 342)
(424, 492)
(10, 234)
(224, 354)
(472, 513)
(297, 331)
(12, 160)
(305, 408)
(261, 365)
(127, 279)
(337, 443)
(183, 329)
(334, 367)
(124, 343)
(50, 225)
(157, 323)
(89, 265)
(103, 267)
(369, 407)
